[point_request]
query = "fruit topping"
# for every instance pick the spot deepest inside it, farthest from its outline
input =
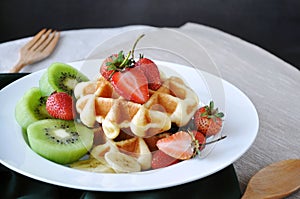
(93, 165)
(201, 139)
(114, 63)
(132, 85)
(104, 68)
(60, 105)
(31, 108)
(184, 145)
(138, 76)
(61, 78)
(59, 140)
(151, 71)
(179, 145)
(122, 163)
(161, 159)
(208, 120)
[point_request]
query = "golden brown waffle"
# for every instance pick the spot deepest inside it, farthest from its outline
(126, 153)
(136, 147)
(173, 102)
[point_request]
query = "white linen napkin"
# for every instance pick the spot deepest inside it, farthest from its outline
(73, 45)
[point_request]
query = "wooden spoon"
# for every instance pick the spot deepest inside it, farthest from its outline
(277, 180)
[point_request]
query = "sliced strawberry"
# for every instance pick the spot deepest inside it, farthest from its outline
(152, 140)
(178, 145)
(151, 71)
(131, 84)
(60, 105)
(161, 159)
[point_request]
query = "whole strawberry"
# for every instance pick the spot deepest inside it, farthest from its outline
(151, 71)
(114, 63)
(104, 68)
(118, 62)
(208, 120)
(60, 105)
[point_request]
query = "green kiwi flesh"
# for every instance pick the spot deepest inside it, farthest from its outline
(60, 77)
(31, 108)
(60, 141)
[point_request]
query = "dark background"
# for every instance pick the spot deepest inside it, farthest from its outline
(271, 24)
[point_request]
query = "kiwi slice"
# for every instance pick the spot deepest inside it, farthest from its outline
(61, 78)
(60, 141)
(31, 108)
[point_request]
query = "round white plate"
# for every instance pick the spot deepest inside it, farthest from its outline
(241, 127)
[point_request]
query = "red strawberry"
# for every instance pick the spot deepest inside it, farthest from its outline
(160, 160)
(179, 145)
(184, 145)
(60, 105)
(151, 72)
(131, 84)
(200, 138)
(208, 120)
(104, 67)
(118, 62)
(115, 62)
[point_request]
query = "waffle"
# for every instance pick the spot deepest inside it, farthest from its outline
(173, 102)
(136, 147)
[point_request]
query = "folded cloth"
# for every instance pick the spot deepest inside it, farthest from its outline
(73, 45)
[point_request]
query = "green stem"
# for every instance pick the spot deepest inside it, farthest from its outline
(125, 60)
(213, 141)
(135, 43)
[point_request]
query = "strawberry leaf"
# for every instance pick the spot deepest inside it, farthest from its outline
(219, 115)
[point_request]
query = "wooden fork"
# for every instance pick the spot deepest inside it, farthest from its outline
(40, 47)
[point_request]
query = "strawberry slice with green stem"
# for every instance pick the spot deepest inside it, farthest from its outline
(184, 145)
(179, 145)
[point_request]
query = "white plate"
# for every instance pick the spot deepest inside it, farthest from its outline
(241, 127)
